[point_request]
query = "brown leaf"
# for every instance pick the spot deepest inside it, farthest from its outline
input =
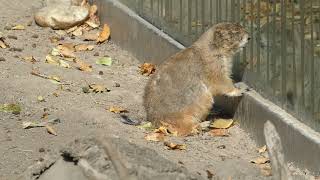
(82, 66)
(97, 88)
(93, 24)
(70, 30)
(69, 46)
(154, 137)
(51, 130)
(209, 174)
(104, 34)
(147, 69)
(173, 146)
(117, 110)
(65, 52)
(219, 132)
(260, 160)
(84, 47)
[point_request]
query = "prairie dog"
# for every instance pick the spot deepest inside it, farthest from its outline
(180, 94)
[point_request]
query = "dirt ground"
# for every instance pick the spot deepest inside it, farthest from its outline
(83, 114)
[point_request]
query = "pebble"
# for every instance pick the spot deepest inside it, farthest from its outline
(100, 72)
(16, 49)
(41, 149)
(2, 59)
(12, 37)
(116, 84)
(35, 36)
(34, 45)
(96, 54)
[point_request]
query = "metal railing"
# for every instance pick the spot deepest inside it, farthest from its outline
(282, 61)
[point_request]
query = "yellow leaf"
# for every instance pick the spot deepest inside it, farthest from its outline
(40, 99)
(104, 34)
(146, 126)
(3, 44)
(29, 59)
(64, 64)
(18, 27)
(219, 132)
(222, 123)
(97, 88)
(84, 47)
(154, 137)
(147, 69)
(262, 149)
(51, 130)
(173, 146)
(52, 60)
(55, 78)
(260, 160)
(82, 66)
(114, 109)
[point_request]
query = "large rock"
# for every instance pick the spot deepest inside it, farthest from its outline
(61, 14)
(103, 159)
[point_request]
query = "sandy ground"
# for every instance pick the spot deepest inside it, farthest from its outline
(85, 114)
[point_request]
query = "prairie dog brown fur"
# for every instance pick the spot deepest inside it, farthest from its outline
(180, 94)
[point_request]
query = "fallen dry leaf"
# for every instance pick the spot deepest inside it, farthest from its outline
(29, 124)
(221, 123)
(29, 59)
(98, 88)
(146, 126)
(147, 69)
(265, 169)
(262, 149)
(40, 99)
(92, 23)
(117, 110)
(64, 64)
(13, 108)
(54, 39)
(51, 130)
(3, 44)
(70, 30)
(260, 160)
(90, 36)
(69, 46)
(219, 132)
(52, 60)
(18, 27)
(82, 66)
(104, 34)
(154, 137)
(209, 174)
(84, 47)
(78, 32)
(173, 146)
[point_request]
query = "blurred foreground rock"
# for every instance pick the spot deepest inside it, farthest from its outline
(103, 159)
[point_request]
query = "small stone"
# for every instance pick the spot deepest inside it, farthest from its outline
(116, 84)
(16, 49)
(35, 36)
(8, 27)
(221, 147)
(85, 89)
(12, 37)
(41, 150)
(29, 23)
(96, 54)
(34, 45)
(2, 59)
(100, 72)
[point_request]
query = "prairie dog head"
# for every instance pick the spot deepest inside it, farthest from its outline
(224, 38)
(229, 37)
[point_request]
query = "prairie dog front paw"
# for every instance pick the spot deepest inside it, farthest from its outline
(235, 93)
